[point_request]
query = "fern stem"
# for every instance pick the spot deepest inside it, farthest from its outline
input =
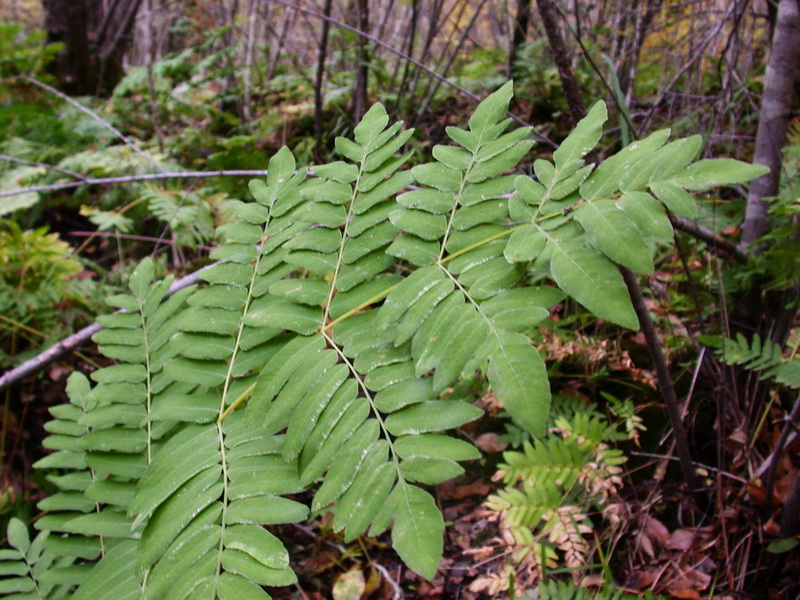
(224, 463)
(149, 396)
(223, 413)
(332, 290)
(33, 577)
(471, 301)
(359, 308)
(491, 238)
(368, 396)
(502, 234)
(234, 405)
(456, 203)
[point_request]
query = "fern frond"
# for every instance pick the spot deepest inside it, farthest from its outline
(30, 570)
(345, 397)
(321, 348)
(441, 305)
(569, 590)
(205, 514)
(555, 461)
(185, 213)
(116, 447)
(761, 355)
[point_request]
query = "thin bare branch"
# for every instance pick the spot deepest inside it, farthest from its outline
(711, 238)
(78, 339)
(130, 236)
(33, 163)
(126, 140)
(424, 107)
(134, 178)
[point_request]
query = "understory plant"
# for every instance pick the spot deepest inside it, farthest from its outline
(36, 283)
(318, 354)
(552, 486)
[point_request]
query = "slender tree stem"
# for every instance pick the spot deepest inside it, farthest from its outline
(776, 109)
(322, 55)
(664, 378)
(572, 91)
(776, 454)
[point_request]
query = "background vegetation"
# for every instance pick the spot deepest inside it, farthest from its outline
(114, 114)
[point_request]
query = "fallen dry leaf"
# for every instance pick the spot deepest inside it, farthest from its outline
(681, 539)
(646, 545)
(489, 444)
(656, 529)
(643, 578)
(687, 593)
(451, 491)
(349, 586)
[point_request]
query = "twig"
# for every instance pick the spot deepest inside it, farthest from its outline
(424, 107)
(779, 446)
(413, 61)
(129, 236)
(134, 178)
(398, 593)
(664, 379)
(126, 140)
(710, 237)
(696, 54)
(78, 339)
(32, 163)
(701, 465)
(791, 507)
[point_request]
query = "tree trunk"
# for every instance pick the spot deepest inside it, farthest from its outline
(95, 35)
(68, 23)
(322, 55)
(776, 106)
(572, 90)
(520, 33)
(362, 69)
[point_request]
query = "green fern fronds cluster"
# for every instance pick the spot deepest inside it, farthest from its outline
(552, 485)
(568, 590)
(318, 355)
(30, 571)
(762, 355)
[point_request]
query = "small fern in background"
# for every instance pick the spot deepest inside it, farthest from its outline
(26, 566)
(552, 487)
(762, 355)
(36, 284)
(318, 355)
(566, 590)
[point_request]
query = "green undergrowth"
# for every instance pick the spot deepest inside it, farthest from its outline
(318, 353)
